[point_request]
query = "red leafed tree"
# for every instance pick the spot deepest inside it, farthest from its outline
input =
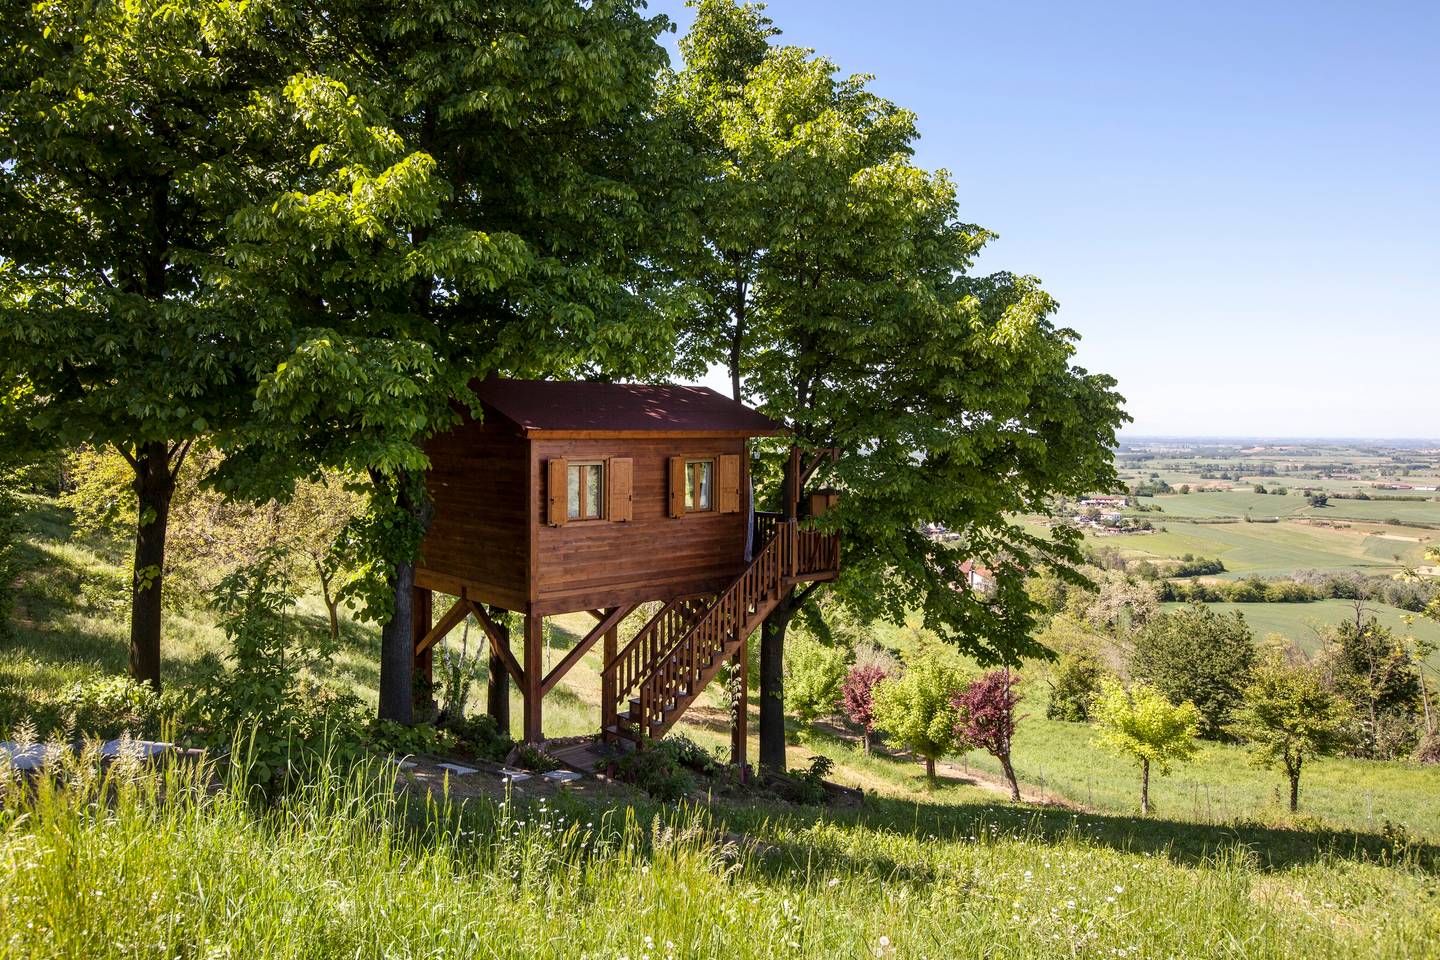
(987, 718)
(857, 696)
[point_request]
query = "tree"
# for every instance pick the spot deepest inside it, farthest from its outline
(857, 697)
(814, 674)
(1074, 677)
(1289, 714)
(836, 285)
(1197, 655)
(132, 133)
(1141, 724)
(1375, 672)
(483, 198)
(915, 708)
(1318, 500)
(986, 718)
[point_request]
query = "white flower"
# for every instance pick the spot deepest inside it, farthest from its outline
(1119, 889)
(884, 941)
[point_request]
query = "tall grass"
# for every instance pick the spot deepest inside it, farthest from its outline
(133, 863)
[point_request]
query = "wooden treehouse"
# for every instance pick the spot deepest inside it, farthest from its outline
(602, 497)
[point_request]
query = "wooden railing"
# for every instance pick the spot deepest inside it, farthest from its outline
(697, 653)
(683, 646)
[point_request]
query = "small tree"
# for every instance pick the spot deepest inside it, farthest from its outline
(915, 709)
(1289, 714)
(986, 712)
(814, 673)
(1140, 723)
(857, 697)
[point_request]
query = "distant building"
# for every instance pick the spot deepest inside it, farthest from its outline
(978, 578)
(1105, 501)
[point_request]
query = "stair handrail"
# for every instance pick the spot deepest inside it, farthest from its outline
(770, 567)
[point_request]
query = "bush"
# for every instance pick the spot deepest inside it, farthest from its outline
(664, 768)
(532, 758)
(103, 708)
(915, 708)
(390, 737)
(9, 568)
(480, 737)
(807, 787)
(260, 708)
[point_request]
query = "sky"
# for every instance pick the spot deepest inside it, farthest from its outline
(1237, 205)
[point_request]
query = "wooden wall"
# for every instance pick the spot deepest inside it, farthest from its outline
(593, 563)
(480, 537)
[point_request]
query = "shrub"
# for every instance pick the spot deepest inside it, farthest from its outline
(532, 758)
(283, 724)
(106, 707)
(480, 737)
(814, 674)
(665, 769)
(9, 568)
(915, 709)
(1199, 656)
(807, 787)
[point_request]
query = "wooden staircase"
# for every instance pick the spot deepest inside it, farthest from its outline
(684, 646)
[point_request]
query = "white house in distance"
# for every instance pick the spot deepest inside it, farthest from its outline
(1113, 502)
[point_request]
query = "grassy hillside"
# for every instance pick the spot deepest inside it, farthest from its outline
(342, 870)
(345, 869)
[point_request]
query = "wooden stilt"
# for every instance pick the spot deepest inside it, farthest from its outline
(497, 683)
(740, 732)
(534, 671)
(609, 716)
(424, 658)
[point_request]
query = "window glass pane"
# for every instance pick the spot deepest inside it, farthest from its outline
(689, 486)
(707, 484)
(573, 489)
(592, 490)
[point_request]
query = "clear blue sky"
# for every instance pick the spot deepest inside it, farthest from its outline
(1236, 204)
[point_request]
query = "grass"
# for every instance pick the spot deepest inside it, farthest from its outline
(344, 869)
(1300, 622)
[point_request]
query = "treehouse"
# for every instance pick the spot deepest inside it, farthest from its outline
(602, 497)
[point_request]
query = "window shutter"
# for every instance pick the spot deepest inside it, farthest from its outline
(728, 484)
(621, 480)
(677, 486)
(556, 491)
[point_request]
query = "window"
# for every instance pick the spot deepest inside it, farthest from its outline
(585, 488)
(699, 485)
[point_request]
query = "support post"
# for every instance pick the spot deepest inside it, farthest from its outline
(534, 672)
(424, 678)
(497, 686)
(740, 731)
(609, 714)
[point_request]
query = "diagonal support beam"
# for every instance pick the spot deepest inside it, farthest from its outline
(612, 618)
(497, 644)
(452, 619)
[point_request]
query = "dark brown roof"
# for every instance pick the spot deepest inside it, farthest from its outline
(564, 406)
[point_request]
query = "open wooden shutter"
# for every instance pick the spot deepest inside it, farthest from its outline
(677, 486)
(728, 483)
(557, 491)
(621, 480)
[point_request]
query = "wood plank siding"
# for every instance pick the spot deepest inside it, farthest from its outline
(479, 539)
(652, 556)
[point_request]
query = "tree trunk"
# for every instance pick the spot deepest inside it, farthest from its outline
(1293, 771)
(1145, 788)
(332, 605)
(1010, 775)
(497, 686)
(397, 642)
(772, 685)
(930, 772)
(865, 739)
(154, 489)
